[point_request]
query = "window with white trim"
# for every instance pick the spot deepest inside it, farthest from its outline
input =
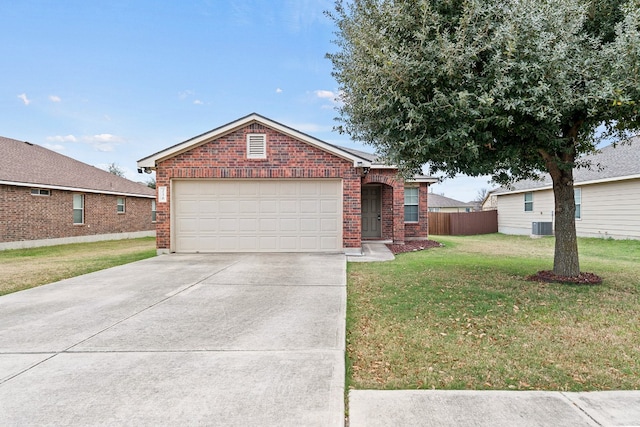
(40, 192)
(528, 202)
(153, 211)
(411, 204)
(256, 146)
(120, 205)
(577, 196)
(78, 208)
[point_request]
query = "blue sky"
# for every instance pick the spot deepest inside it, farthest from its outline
(114, 81)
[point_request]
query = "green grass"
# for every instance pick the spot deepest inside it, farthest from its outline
(464, 317)
(27, 268)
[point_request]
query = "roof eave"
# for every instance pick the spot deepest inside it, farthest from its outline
(77, 189)
(150, 162)
(575, 184)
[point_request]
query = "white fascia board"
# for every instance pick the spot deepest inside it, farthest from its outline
(75, 189)
(150, 162)
(424, 179)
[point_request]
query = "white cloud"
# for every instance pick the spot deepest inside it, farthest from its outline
(23, 97)
(103, 137)
(60, 138)
(198, 102)
(333, 97)
(185, 94)
(103, 142)
(278, 90)
(325, 94)
(55, 147)
(54, 98)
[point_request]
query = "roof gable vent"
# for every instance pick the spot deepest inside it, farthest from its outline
(256, 146)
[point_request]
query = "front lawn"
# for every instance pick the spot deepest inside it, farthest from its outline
(463, 317)
(26, 268)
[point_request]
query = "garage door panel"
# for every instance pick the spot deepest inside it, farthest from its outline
(268, 224)
(328, 225)
(308, 206)
(228, 225)
(268, 206)
(308, 225)
(257, 215)
(329, 206)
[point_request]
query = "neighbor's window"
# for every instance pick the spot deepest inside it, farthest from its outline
(40, 192)
(528, 202)
(153, 210)
(577, 196)
(411, 204)
(78, 208)
(256, 146)
(120, 205)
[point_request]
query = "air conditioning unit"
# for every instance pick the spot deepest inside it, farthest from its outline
(542, 228)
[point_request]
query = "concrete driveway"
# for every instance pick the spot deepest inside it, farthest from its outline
(230, 339)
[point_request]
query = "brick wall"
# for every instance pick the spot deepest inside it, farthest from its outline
(225, 158)
(28, 217)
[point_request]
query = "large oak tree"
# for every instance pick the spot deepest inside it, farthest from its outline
(506, 88)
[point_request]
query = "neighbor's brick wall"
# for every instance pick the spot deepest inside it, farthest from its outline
(27, 217)
(225, 158)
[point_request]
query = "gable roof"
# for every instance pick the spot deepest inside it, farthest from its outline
(358, 159)
(29, 165)
(608, 164)
(438, 201)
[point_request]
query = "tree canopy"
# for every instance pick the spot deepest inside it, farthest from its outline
(490, 87)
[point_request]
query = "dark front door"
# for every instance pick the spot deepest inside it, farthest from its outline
(371, 212)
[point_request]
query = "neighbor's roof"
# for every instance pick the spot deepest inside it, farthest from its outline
(151, 161)
(608, 164)
(438, 201)
(30, 165)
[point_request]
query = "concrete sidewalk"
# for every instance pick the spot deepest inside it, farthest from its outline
(226, 339)
(441, 408)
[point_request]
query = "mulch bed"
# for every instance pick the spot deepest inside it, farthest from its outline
(550, 277)
(413, 246)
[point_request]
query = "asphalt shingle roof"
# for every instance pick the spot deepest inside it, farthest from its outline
(24, 163)
(438, 201)
(609, 163)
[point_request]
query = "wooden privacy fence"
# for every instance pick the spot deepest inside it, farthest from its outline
(463, 223)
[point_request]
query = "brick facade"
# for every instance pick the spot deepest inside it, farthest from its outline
(29, 217)
(288, 158)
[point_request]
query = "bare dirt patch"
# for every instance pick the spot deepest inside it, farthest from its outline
(550, 277)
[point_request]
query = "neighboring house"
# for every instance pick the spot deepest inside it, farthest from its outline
(607, 197)
(47, 198)
(257, 185)
(438, 203)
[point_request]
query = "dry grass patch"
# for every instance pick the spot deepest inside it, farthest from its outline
(27, 268)
(464, 317)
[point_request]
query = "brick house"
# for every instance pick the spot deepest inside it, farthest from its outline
(257, 185)
(47, 198)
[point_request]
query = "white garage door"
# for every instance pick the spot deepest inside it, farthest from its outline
(257, 215)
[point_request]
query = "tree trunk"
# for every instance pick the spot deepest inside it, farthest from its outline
(565, 260)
